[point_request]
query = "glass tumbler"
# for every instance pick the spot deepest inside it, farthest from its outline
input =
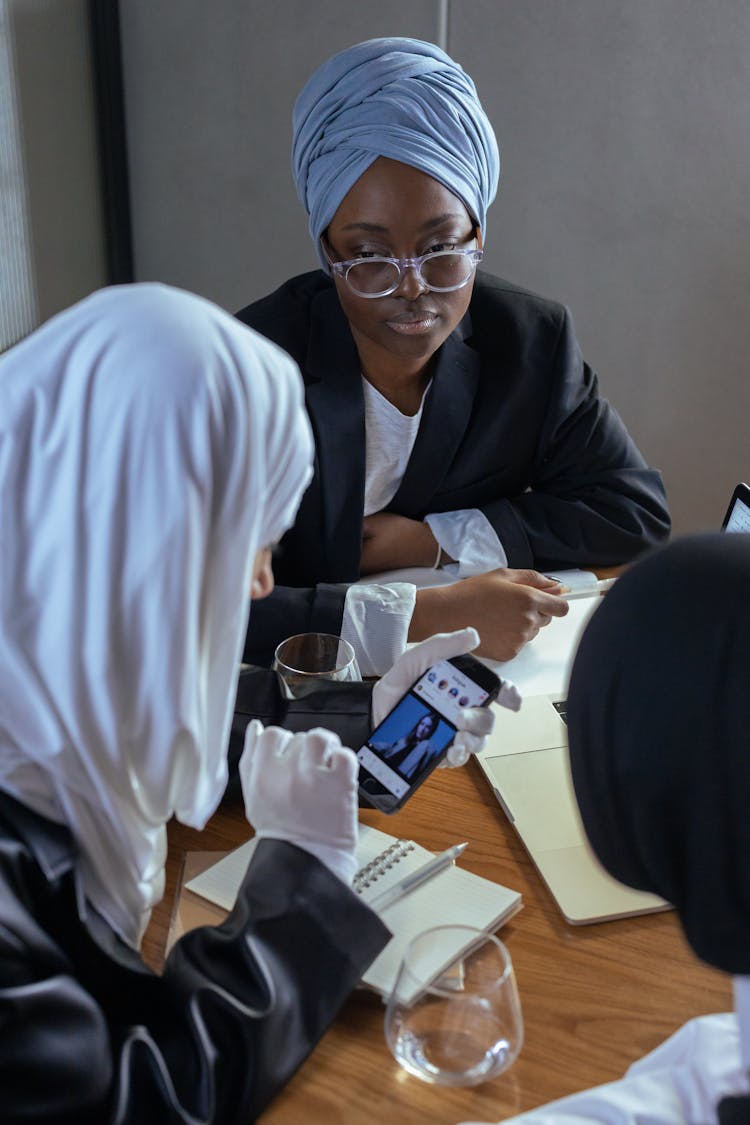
(455, 1020)
(302, 661)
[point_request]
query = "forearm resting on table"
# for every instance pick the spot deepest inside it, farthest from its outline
(392, 542)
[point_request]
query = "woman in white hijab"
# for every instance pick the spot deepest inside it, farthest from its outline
(151, 448)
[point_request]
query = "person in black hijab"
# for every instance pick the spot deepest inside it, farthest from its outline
(659, 732)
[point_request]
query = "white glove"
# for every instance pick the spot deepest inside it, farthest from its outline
(474, 723)
(302, 788)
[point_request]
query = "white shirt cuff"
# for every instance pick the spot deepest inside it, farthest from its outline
(469, 538)
(376, 623)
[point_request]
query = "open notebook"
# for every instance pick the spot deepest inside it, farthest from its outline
(452, 896)
(525, 761)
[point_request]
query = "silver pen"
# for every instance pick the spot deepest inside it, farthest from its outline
(601, 587)
(411, 882)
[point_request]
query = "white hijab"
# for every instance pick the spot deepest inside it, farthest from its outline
(149, 445)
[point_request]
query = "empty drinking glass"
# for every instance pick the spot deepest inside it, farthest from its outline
(302, 661)
(454, 1019)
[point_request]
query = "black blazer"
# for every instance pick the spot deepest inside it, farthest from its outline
(89, 1035)
(513, 425)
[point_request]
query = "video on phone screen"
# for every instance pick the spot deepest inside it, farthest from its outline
(419, 728)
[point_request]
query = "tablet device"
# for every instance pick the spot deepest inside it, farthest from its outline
(737, 516)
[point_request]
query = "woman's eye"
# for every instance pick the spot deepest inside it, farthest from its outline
(441, 246)
(457, 242)
(358, 253)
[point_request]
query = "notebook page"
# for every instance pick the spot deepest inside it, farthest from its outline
(543, 665)
(383, 860)
(221, 882)
(455, 896)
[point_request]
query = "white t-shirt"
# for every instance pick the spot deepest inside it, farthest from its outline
(377, 616)
(389, 440)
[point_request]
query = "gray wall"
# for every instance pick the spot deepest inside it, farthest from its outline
(625, 184)
(209, 95)
(53, 241)
(625, 192)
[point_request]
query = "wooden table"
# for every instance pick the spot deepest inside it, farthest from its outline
(594, 998)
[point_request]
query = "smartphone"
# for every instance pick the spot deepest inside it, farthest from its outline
(415, 736)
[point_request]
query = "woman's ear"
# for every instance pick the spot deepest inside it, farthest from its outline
(262, 581)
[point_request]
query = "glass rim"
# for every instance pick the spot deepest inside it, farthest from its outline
(482, 938)
(280, 662)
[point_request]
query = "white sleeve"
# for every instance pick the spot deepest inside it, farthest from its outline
(376, 623)
(469, 538)
(679, 1083)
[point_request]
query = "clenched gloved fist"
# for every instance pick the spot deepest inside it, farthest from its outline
(302, 788)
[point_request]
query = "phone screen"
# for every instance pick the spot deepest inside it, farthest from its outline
(415, 734)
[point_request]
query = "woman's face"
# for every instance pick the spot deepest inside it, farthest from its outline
(424, 728)
(395, 211)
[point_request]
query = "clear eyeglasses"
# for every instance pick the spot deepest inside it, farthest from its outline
(441, 271)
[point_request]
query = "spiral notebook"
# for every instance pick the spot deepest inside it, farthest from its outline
(454, 895)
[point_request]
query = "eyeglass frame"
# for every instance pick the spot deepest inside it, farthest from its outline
(341, 269)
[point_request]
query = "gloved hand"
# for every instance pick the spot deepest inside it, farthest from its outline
(474, 723)
(302, 788)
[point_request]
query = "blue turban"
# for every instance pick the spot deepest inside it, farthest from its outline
(399, 98)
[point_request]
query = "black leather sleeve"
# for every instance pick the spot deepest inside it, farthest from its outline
(263, 987)
(89, 1035)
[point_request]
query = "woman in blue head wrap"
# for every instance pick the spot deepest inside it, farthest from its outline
(395, 98)
(457, 426)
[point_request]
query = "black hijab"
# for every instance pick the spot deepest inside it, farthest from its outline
(659, 729)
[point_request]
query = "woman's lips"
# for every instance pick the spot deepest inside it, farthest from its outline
(413, 323)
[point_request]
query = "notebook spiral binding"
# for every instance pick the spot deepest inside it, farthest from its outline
(378, 866)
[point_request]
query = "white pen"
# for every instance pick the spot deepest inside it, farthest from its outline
(411, 882)
(600, 587)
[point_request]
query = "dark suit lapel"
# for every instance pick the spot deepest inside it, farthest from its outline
(445, 418)
(335, 403)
